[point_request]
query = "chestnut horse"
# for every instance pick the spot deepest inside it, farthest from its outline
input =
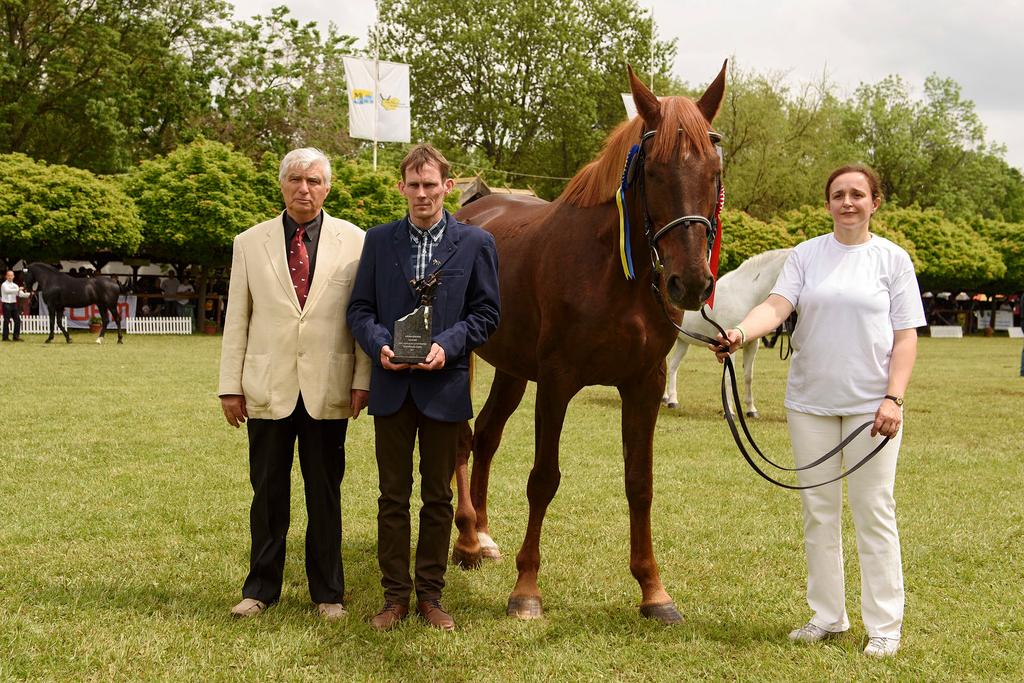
(570, 318)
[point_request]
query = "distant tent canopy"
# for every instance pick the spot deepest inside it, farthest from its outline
(472, 188)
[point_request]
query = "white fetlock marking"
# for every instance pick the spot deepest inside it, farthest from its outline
(486, 541)
(99, 340)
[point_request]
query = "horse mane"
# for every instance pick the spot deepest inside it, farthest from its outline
(758, 260)
(596, 182)
(44, 266)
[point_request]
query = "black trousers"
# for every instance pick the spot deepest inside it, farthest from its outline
(11, 313)
(395, 439)
(322, 462)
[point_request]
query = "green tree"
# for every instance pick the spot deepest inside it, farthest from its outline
(744, 236)
(99, 85)
(51, 212)
(533, 86)
(280, 84)
(780, 144)
(932, 151)
(949, 255)
(1008, 240)
(193, 202)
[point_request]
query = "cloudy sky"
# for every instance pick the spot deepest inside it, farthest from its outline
(979, 45)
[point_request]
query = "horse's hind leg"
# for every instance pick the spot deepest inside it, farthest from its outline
(670, 398)
(103, 323)
(749, 353)
(474, 542)
(639, 415)
(553, 395)
(64, 330)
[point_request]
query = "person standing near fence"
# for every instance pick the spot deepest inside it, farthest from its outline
(10, 292)
(291, 370)
(858, 301)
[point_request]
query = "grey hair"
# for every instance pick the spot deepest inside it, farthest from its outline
(304, 158)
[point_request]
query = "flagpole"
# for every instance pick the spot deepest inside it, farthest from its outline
(376, 80)
(652, 47)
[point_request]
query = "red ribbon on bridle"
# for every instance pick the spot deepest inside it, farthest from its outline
(716, 248)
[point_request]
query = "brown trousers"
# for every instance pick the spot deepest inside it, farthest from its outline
(395, 440)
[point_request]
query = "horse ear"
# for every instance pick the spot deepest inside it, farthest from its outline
(711, 100)
(646, 103)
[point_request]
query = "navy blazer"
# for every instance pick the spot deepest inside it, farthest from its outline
(466, 312)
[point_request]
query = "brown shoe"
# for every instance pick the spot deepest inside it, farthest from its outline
(249, 607)
(389, 616)
(331, 611)
(435, 614)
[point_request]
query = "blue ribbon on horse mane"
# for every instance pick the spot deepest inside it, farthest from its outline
(625, 250)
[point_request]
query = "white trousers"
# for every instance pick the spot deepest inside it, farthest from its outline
(870, 492)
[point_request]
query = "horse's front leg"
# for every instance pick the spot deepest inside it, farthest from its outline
(553, 395)
(639, 415)
(53, 323)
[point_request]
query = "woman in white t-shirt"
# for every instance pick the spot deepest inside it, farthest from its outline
(854, 348)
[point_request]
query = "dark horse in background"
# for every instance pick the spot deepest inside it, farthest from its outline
(60, 290)
(570, 319)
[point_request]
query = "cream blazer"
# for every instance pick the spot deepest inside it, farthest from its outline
(273, 350)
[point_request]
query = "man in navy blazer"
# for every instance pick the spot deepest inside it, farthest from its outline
(432, 398)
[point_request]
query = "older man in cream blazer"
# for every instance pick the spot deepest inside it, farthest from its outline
(291, 368)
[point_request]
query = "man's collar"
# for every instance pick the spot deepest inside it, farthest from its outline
(435, 231)
(290, 224)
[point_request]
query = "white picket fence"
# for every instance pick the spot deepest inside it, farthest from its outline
(39, 324)
(160, 325)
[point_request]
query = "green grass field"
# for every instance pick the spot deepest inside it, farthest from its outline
(124, 536)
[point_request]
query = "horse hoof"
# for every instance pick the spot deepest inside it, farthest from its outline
(666, 613)
(752, 413)
(465, 559)
(47, 341)
(525, 607)
(120, 341)
(488, 548)
(99, 340)
(671, 404)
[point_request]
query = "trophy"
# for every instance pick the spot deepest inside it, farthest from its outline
(412, 332)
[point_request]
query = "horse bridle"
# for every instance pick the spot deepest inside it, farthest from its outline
(634, 173)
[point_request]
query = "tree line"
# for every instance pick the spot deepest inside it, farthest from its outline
(155, 127)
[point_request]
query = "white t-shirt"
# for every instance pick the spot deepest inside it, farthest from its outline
(849, 300)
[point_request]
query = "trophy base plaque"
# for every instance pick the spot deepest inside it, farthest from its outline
(412, 336)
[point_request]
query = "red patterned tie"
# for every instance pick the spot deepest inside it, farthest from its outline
(298, 264)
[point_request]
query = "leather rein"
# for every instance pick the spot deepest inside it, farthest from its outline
(634, 174)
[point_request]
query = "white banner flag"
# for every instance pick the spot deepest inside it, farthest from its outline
(378, 108)
(629, 104)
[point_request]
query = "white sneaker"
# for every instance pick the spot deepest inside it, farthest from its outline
(811, 633)
(882, 647)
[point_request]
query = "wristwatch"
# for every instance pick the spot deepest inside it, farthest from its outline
(898, 400)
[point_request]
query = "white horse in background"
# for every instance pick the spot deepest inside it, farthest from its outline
(736, 293)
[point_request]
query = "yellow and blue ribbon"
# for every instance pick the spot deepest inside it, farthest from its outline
(625, 250)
